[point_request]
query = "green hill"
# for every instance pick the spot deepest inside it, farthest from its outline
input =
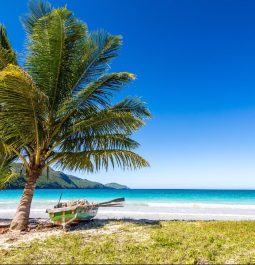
(60, 180)
(116, 186)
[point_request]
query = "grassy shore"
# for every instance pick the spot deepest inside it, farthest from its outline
(140, 242)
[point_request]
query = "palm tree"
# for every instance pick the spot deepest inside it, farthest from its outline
(57, 109)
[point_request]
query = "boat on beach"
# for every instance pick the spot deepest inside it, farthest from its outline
(65, 213)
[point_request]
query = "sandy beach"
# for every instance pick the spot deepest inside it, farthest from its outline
(40, 228)
(194, 214)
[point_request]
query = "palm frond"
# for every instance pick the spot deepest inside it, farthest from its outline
(81, 142)
(99, 49)
(54, 50)
(7, 54)
(6, 171)
(133, 105)
(6, 175)
(4, 41)
(128, 116)
(37, 10)
(123, 118)
(97, 93)
(5, 58)
(92, 98)
(92, 161)
(23, 106)
(107, 122)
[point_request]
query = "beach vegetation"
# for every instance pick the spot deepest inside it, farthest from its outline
(137, 242)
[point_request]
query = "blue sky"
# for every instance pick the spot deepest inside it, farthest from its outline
(195, 65)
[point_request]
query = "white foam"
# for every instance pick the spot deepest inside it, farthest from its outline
(14, 210)
(152, 210)
(202, 205)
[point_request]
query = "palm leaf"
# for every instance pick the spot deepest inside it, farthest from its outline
(6, 175)
(37, 10)
(4, 41)
(24, 107)
(99, 49)
(5, 58)
(126, 116)
(6, 171)
(54, 48)
(123, 118)
(106, 122)
(96, 93)
(95, 160)
(7, 54)
(81, 142)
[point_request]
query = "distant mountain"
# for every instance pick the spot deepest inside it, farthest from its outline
(60, 180)
(116, 186)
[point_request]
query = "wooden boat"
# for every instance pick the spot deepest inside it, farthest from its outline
(63, 215)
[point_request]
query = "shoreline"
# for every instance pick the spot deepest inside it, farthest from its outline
(161, 214)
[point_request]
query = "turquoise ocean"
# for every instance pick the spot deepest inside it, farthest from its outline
(168, 204)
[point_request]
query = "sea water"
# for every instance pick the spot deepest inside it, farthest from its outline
(166, 204)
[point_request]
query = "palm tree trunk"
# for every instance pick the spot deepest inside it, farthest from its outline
(21, 218)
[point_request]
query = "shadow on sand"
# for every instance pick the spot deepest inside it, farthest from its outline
(99, 223)
(38, 224)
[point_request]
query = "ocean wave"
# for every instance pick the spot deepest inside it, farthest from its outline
(14, 210)
(202, 205)
(137, 204)
(5, 201)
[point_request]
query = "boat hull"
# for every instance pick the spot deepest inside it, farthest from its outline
(64, 217)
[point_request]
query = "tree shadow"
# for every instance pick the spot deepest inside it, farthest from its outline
(42, 224)
(100, 223)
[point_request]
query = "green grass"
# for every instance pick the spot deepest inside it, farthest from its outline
(160, 243)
